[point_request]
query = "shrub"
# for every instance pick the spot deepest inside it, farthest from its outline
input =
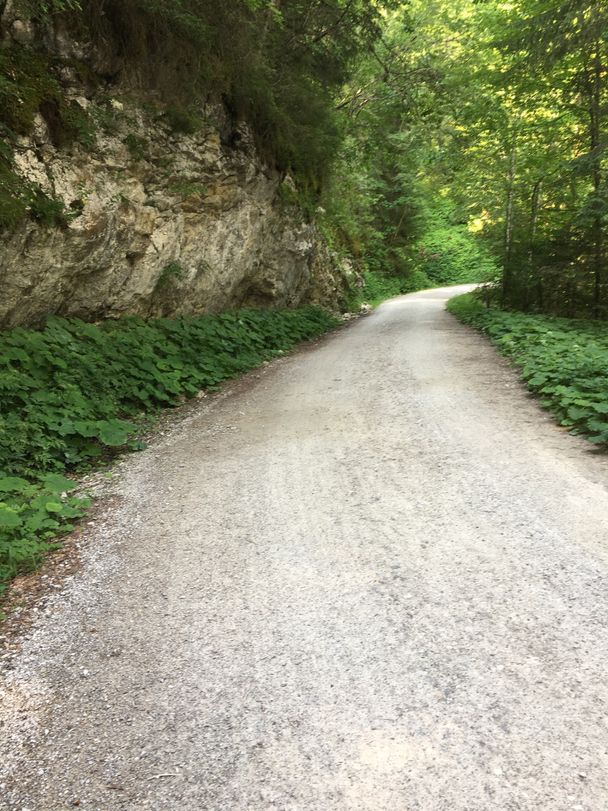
(47, 210)
(28, 86)
(32, 515)
(13, 199)
(20, 198)
(138, 147)
(182, 121)
(170, 273)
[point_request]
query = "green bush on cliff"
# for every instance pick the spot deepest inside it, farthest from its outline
(28, 86)
(76, 392)
(280, 66)
(20, 198)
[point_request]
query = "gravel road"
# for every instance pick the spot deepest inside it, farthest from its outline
(373, 575)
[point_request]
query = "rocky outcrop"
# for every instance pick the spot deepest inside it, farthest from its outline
(157, 221)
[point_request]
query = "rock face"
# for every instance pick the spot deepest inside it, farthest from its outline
(159, 222)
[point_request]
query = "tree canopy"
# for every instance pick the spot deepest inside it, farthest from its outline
(490, 117)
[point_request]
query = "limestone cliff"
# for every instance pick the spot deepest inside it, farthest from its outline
(161, 216)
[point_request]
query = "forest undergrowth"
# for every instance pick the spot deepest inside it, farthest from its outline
(74, 395)
(563, 361)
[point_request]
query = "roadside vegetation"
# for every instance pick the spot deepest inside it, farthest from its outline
(562, 361)
(377, 288)
(75, 394)
(445, 254)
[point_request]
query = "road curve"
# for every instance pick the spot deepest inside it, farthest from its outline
(373, 576)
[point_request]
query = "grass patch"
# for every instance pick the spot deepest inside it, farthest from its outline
(563, 361)
(74, 393)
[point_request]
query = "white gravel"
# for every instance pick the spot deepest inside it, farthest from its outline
(375, 576)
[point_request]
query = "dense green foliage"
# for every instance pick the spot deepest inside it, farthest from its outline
(279, 65)
(33, 512)
(506, 106)
(448, 254)
(389, 200)
(556, 203)
(563, 361)
(496, 113)
(74, 392)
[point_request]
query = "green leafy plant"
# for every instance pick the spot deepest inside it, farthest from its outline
(187, 188)
(32, 515)
(170, 273)
(563, 361)
(182, 121)
(74, 393)
(137, 146)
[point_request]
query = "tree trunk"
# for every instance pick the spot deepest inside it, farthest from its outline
(595, 115)
(507, 277)
(534, 214)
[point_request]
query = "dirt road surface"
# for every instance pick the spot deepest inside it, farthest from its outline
(373, 576)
